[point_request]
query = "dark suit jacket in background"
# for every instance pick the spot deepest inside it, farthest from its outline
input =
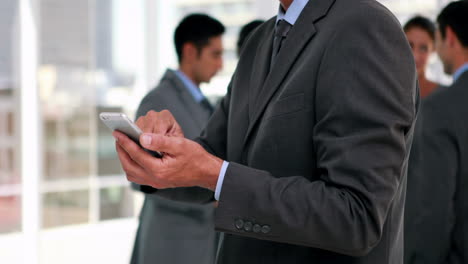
(318, 145)
(436, 215)
(175, 232)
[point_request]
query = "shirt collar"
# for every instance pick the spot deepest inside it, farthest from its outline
(460, 71)
(190, 86)
(293, 12)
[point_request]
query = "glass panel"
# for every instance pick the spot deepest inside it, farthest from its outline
(65, 208)
(67, 144)
(10, 190)
(116, 202)
(65, 90)
(87, 65)
(10, 123)
(10, 212)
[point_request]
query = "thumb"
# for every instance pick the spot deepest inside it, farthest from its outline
(158, 142)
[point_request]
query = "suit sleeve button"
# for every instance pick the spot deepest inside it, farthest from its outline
(266, 229)
(257, 228)
(239, 224)
(248, 226)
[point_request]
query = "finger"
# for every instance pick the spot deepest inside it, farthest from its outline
(136, 153)
(118, 135)
(165, 122)
(173, 146)
(162, 123)
(168, 119)
(167, 125)
(132, 169)
(156, 122)
(139, 173)
(128, 164)
(174, 127)
(140, 122)
(147, 122)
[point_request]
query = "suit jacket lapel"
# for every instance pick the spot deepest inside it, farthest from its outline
(261, 67)
(299, 35)
(193, 108)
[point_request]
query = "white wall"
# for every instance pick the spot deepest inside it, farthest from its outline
(104, 242)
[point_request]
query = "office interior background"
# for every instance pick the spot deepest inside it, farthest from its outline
(63, 196)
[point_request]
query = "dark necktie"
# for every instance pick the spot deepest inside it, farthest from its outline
(281, 31)
(207, 105)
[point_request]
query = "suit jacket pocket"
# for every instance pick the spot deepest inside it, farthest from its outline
(286, 105)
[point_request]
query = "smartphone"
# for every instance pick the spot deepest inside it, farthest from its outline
(120, 122)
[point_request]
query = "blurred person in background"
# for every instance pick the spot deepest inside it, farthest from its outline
(307, 153)
(245, 32)
(169, 231)
(420, 33)
(436, 215)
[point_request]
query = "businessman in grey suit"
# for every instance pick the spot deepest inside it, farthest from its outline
(307, 153)
(436, 215)
(171, 231)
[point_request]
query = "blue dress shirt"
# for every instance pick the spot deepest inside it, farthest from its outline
(293, 12)
(191, 86)
(460, 71)
(291, 16)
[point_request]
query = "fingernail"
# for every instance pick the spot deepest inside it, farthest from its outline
(146, 140)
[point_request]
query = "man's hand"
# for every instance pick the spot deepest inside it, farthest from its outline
(184, 164)
(162, 123)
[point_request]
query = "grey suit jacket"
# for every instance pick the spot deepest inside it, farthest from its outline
(169, 231)
(318, 145)
(436, 216)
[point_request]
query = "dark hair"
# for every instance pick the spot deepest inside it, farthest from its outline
(455, 16)
(196, 29)
(422, 23)
(245, 31)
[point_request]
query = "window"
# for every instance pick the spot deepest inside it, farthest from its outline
(10, 178)
(80, 76)
(93, 56)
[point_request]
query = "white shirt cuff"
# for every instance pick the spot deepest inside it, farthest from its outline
(219, 184)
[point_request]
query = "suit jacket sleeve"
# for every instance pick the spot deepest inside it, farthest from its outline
(432, 179)
(365, 110)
